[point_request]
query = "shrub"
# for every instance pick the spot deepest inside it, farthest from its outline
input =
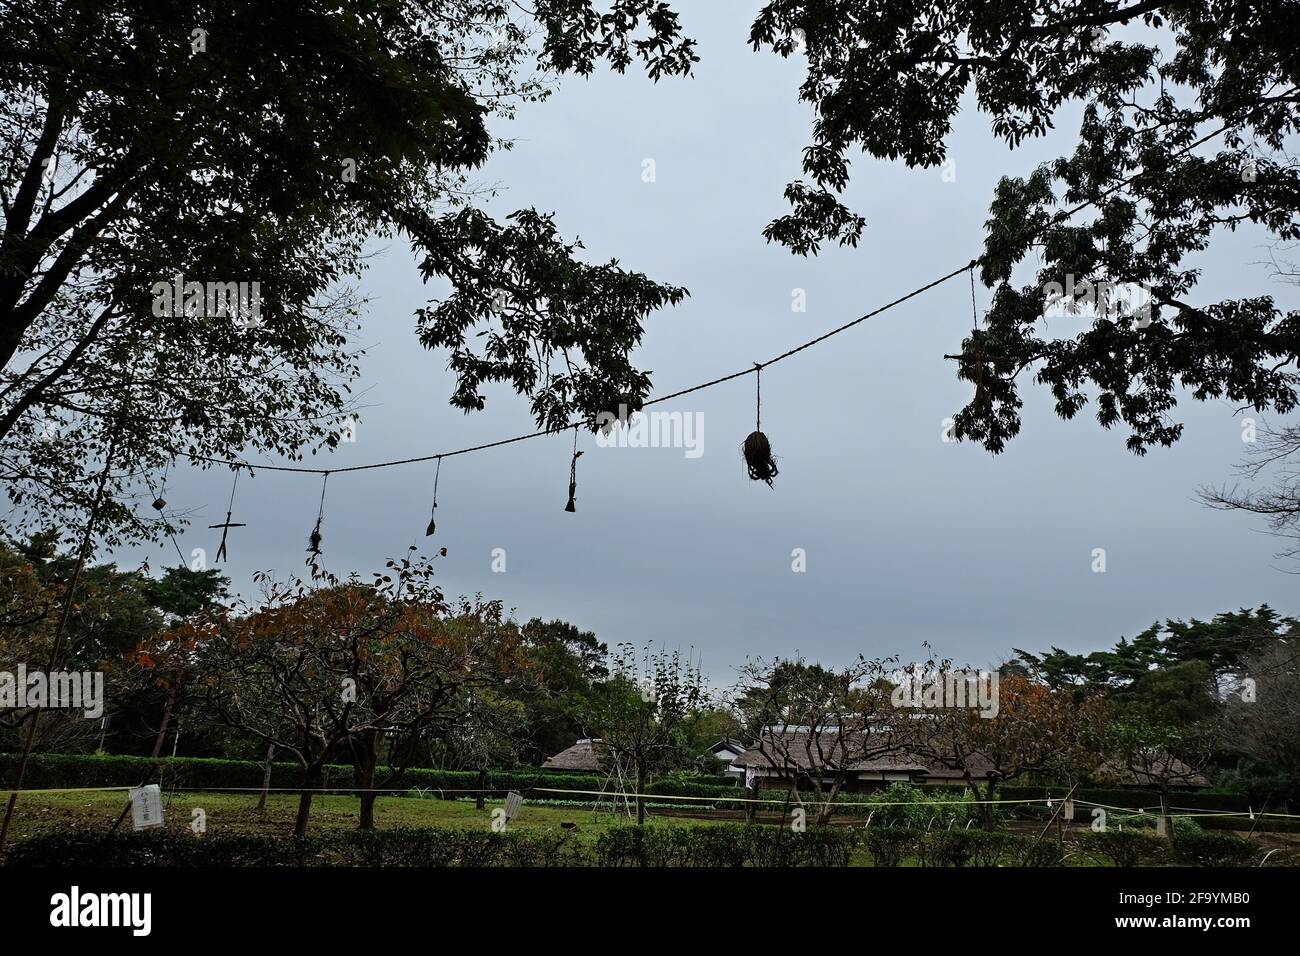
(781, 847)
(724, 845)
(717, 845)
(904, 805)
(989, 849)
(889, 845)
(1031, 851)
(946, 847)
(1124, 847)
(770, 847)
(621, 846)
(1215, 849)
(828, 846)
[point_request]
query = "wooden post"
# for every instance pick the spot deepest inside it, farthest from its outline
(1055, 816)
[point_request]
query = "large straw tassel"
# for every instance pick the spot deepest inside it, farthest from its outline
(757, 450)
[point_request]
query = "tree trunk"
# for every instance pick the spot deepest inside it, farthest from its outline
(367, 812)
(365, 759)
(986, 805)
(986, 810)
(311, 777)
(827, 806)
(481, 797)
(266, 776)
(640, 789)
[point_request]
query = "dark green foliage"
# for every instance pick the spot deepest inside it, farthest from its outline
(1221, 643)
(671, 846)
(1215, 849)
(425, 846)
(159, 848)
(324, 125)
(725, 845)
(1035, 852)
(988, 848)
(565, 663)
(1125, 847)
(1151, 78)
(946, 848)
(889, 845)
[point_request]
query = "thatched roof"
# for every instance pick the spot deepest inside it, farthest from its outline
(1160, 767)
(803, 750)
(582, 757)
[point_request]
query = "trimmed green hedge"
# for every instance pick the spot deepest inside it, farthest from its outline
(1125, 847)
(424, 846)
(721, 845)
(1215, 849)
(724, 845)
(890, 846)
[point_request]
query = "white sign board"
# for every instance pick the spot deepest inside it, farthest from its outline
(146, 807)
(513, 802)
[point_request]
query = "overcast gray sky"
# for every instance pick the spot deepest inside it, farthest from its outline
(908, 539)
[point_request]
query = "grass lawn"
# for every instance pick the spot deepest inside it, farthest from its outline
(238, 813)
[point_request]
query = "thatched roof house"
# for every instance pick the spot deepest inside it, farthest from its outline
(583, 757)
(782, 754)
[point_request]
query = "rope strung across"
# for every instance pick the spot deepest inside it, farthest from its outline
(970, 266)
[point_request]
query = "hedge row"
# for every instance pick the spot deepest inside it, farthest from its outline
(50, 771)
(723, 845)
(890, 846)
(424, 846)
(1142, 848)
